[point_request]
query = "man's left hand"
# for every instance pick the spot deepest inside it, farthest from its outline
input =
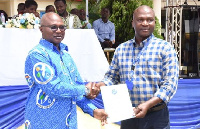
(101, 115)
(141, 110)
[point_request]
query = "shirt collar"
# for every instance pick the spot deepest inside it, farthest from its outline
(142, 44)
(68, 15)
(104, 22)
(50, 45)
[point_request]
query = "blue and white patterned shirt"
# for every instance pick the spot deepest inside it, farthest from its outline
(104, 30)
(155, 71)
(55, 88)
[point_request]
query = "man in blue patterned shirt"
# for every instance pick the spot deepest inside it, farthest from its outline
(55, 84)
(149, 67)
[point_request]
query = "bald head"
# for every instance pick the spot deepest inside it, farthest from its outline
(52, 28)
(143, 22)
(143, 8)
(50, 17)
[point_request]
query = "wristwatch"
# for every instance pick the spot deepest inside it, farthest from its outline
(87, 91)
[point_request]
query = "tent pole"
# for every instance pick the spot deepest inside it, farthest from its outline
(87, 15)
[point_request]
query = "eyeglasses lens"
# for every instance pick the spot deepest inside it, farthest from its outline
(55, 28)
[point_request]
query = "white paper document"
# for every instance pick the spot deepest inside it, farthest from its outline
(117, 103)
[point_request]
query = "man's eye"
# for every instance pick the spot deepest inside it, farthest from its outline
(53, 27)
(150, 20)
(61, 27)
(140, 20)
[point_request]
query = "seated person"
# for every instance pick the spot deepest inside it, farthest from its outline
(5, 15)
(20, 10)
(50, 8)
(71, 21)
(31, 7)
(84, 22)
(105, 29)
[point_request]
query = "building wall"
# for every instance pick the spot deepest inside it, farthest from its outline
(4, 5)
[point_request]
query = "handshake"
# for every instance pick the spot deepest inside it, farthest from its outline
(93, 89)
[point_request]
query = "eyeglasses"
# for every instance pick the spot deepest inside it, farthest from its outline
(55, 28)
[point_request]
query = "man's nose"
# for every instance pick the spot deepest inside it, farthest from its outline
(58, 30)
(58, 9)
(145, 22)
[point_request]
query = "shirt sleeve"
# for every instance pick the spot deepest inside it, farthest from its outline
(95, 27)
(77, 23)
(89, 26)
(112, 75)
(112, 34)
(40, 72)
(86, 105)
(170, 74)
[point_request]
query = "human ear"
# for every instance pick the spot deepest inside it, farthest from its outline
(41, 29)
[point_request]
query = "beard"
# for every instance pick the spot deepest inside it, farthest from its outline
(61, 13)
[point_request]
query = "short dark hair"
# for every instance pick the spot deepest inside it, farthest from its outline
(28, 3)
(5, 14)
(48, 6)
(21, 4)
(105, 8)
(64, 1)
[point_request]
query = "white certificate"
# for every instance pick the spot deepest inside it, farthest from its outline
(117, 103)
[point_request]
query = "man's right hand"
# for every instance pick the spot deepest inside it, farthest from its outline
(94, 91)
(99, 84)
(83, 27)
(108, 44)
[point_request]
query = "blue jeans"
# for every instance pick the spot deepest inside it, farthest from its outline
(153, 120)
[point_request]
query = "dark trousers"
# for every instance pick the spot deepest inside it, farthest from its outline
(153, 120)
(115, 45)
(103, 45)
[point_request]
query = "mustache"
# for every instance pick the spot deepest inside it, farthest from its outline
(144, 28)
(59, 35)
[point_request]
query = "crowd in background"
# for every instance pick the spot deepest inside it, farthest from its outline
(75, 19)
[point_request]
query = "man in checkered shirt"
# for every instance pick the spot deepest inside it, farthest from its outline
(149, 67)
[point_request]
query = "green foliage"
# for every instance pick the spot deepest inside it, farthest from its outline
(157, 29)
(93, 10)
(69, 5)
(121, 16)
